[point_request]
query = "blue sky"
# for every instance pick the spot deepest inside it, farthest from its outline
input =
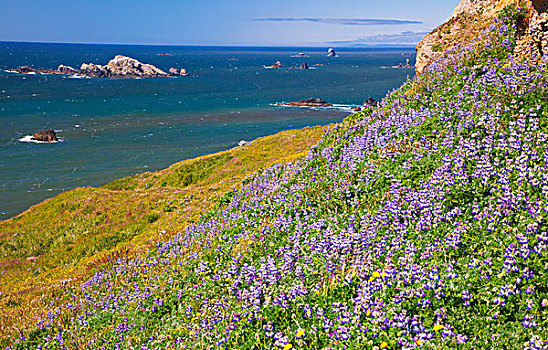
(222, 22)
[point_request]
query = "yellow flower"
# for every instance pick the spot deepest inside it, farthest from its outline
(271, 244)
(249, 242)
(227, 279)
(419, 341)
(438, 327)
(288, 346)
(384, 345)
(376, 274)
(368, 313)
(191, 333)
(384, 274)
(371, 279)
(300, 333)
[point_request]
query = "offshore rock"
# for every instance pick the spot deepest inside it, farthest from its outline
(184, 73)
(331, 53)
(30, 70)
(62, 69)
(45, 136)
(311, 102)
(173, 71)
(304, 66)
(127, 67)
(118, 67)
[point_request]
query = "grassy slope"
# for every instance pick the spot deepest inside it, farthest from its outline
(63, 239)
(419, 224)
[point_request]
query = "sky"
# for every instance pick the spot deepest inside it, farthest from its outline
(223, 22)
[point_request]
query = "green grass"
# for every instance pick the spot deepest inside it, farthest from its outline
(65, 238)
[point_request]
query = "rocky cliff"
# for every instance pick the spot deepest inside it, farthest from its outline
(470, 17)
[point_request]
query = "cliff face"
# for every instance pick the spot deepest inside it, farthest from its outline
(471, 16)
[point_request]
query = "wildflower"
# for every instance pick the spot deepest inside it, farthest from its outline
(438, 327)
(271, 244)
(191, 333)
(368, 313)
(384, 274)
(419, 341)
(249, 241)
(384, 345)
(288, 346)
(300, 333)
(376, 274)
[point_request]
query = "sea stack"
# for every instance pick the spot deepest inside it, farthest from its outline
(304, 66)
(331, 53)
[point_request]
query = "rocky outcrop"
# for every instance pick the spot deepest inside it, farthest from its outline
(331, 53)
(118, 67)
(45, 136)
(278, 64)
(370, 102)
(304, 66)
(472, 16)
(30, 70)
(311, 102)
(67, 70)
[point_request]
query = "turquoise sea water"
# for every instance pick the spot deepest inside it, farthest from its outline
(117, 127)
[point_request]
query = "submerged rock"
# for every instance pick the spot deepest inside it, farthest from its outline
(45, 136)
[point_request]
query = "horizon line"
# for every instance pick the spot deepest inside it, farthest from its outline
(314, 46)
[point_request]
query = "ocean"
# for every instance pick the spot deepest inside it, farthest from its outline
(112, 128)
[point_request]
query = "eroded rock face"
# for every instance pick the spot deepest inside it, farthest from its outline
(471, 16)
(45, 136)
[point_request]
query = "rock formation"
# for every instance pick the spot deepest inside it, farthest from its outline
(278, 64)
(184, 73)
(311, 102)
(118, 67)
(67, 70)
(304, 66)
(370, 102)
(472, 16)
(45, 136)
(331, 53)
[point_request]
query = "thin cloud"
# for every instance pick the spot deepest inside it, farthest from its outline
(342, 21)
(402, 38)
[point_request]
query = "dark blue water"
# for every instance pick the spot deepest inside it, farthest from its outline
(115, 127)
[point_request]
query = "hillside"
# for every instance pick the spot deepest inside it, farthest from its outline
(421, 223)
(64, 240)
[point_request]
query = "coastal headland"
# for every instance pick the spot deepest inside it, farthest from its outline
(420, 222)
